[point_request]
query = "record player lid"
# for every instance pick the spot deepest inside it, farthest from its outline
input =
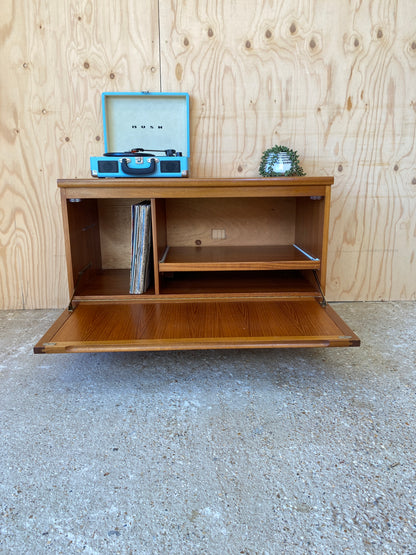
(150, 120)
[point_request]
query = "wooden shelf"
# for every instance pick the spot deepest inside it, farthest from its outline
(252, 283)
(114, 284)
(203, 259)
(108, 284)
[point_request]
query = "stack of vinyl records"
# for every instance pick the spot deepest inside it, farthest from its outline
(141, 247)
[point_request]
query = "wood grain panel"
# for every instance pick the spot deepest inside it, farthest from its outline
(374, 258)
(244, 221)
(57, 58)
(336, 82)
(284, 283)
(196, 325)
(312, 219)
(259, 257)
(84, 241)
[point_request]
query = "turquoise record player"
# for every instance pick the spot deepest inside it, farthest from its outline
(145, 135)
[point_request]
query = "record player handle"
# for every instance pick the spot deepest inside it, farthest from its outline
(138, 171)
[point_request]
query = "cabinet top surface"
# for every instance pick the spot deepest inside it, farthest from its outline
(155, 187)
(190, 183)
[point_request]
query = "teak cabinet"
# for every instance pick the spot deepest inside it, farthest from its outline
(237, 263)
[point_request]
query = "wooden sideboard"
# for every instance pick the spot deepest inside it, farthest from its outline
(237, 263)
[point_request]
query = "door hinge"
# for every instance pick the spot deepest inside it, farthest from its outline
(323, 302)
(79, 275)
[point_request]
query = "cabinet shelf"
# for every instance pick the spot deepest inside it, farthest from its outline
(108, 284)
(249, 284)
(239, 258)
(114, 284)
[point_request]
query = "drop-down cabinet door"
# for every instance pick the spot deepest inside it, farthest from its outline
(196, 324)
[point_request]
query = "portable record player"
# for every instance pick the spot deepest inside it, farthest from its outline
(145, 135)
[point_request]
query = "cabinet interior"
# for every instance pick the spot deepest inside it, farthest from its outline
(201, 246)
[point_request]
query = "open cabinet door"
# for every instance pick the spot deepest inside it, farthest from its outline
(193, 324)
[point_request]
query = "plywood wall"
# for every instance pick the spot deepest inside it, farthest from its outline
(57, 57)
(335, 81)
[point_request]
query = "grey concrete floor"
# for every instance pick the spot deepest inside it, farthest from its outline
(211, 452)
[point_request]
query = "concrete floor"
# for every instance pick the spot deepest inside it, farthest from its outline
(211, 452)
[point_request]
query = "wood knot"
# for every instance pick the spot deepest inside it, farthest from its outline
(340, 168)
(112, 76)
(67, 139)
(413, 47)
(414, 181)
(396, 167)
(25, 65)
(186, 41)
(356, 43)
(86, 65)
(198, 242)
(98, 138)
(248, 44)
(379, 34)
(312, 44)
(293, 29)
(240, 169)
(268, 34)
(210, 32)
(179, 72)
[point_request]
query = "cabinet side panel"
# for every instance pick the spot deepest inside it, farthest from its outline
(312, 229)
(67, 239)
(83, 233)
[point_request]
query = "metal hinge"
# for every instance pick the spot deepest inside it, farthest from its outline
(323, 302)
(79, 275)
